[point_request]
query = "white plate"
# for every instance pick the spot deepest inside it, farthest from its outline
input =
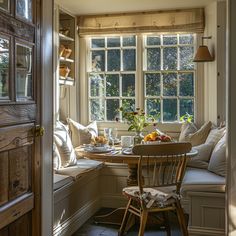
(127, 151)
(98, 149)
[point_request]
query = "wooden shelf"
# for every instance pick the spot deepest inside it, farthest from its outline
(65, 38)
(66, 81)
(64, 59)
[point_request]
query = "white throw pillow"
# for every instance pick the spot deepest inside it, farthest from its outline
(82, 134)
(200, 136)
(64, 145)
(202, 158)
(217, 162)
(187, 128)
(56, 158)
(215, 135)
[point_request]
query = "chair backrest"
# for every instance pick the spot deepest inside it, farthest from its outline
(161, 164)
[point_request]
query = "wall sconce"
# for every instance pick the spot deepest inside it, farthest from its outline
(203, 54)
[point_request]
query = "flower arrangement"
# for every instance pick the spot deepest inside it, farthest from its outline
(137, 120)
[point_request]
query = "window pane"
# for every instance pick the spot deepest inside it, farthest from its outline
(24, 87)
(153, 106)
(113, 42)
(169, 40)
(186, 106)
(129, 41)
(24, 9)
(153, 59)
(186, 58)
(98, 60)
(170, 84)
(112, 85)
(186, 39)
(4, 68)
(98, 43)
(96, 85)
(153, 40)
(170, 58)
(113, 60)
(186, 84)
(128, 104)
(153, 86)
(128, 85)
(4, 4)
(112, 109)
(97, 109)
(169, 109)
(129, 62)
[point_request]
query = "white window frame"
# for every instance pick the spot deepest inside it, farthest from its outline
(82, 87)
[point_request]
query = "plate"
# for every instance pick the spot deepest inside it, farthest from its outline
(127, 151)
(98, 149)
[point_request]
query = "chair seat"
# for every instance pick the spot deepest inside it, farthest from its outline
(161, 197)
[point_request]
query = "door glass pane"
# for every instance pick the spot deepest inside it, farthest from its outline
(24, 85)
(5, 4)
(24, 9)
(4, 68)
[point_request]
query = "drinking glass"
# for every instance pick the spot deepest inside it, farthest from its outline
(113, 136)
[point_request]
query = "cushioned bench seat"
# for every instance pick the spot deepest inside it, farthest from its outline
(202, 180)
(61, 180)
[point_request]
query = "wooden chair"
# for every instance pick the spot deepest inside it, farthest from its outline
(161, 168)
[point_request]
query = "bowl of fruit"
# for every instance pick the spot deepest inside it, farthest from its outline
(156, 137)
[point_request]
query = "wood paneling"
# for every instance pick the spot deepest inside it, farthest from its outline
(15, 209)
(19, 175)
(15, 27)
(4, 231)
(22, 226)
(3, 177)
(16, 136)
(17, 114)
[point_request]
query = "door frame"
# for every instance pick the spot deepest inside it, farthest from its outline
(47, 117)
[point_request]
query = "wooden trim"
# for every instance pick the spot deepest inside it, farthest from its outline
(15, 209)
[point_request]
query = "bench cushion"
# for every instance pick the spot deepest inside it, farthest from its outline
(201, 180)
(83, 166)
(61, 180)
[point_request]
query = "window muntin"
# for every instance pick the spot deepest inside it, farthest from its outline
(169, 81)
(112, 76)
(167, 77)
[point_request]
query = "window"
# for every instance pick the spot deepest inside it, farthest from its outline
(166, 75)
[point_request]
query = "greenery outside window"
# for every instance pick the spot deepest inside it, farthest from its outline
(165, 73)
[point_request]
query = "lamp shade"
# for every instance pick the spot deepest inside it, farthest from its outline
(203, 54)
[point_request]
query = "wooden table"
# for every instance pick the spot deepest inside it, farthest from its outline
(116, 156)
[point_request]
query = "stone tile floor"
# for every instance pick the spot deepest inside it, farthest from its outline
(92, 229)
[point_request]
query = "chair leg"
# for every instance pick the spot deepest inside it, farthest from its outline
(181, 219)
(143, 221)
(125, 219)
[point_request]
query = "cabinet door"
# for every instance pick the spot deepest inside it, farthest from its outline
(19, 115)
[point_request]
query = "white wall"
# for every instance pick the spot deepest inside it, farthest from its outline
(214, 72)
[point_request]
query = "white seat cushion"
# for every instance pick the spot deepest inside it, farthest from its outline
(83, 166)
(61, 180)
(158, 197)
(201, 180)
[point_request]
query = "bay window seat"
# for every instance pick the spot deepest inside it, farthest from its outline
(203, 198)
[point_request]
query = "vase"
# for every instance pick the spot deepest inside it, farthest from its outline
(138, 137)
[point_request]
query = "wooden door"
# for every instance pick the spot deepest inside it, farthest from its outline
(19, 115)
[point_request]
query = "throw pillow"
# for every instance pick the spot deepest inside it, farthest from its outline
(56, 158)
(200, 136)
(217, 162)
(215, 135)
(64, 145)
(82, 134)
(203, 156)
(187, 128)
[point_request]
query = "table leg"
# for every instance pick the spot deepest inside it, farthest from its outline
(132, 178)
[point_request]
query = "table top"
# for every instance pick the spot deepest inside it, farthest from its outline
(117, 156)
